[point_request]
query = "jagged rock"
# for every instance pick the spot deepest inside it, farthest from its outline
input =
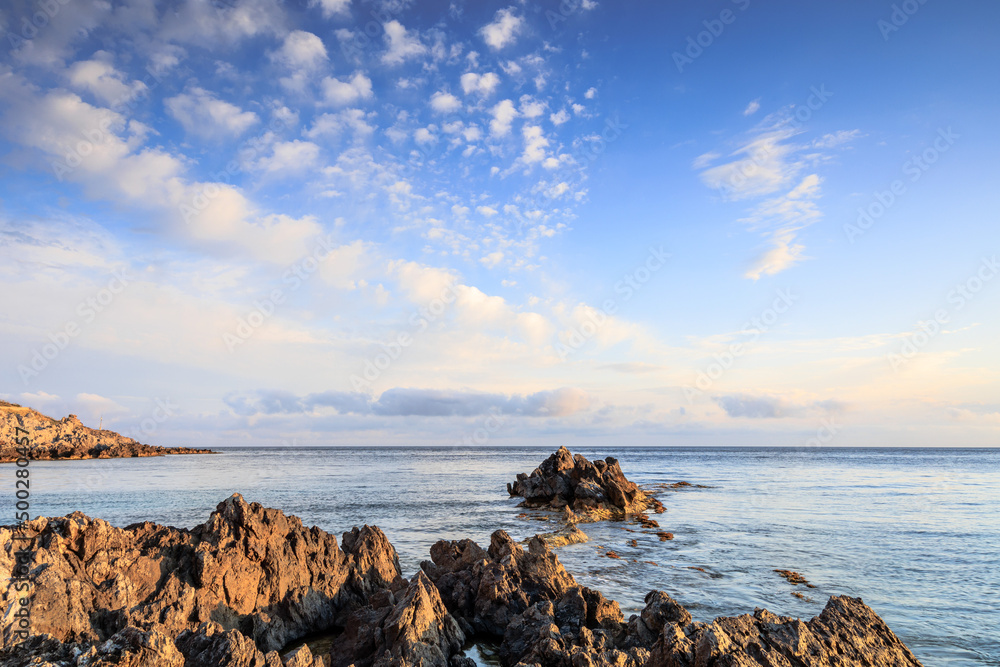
(303, 657)
(212, 646)
(485, 590)
(129, 647)
(661, 610)
(411, 628)
(68, 438)
(247, 568)
(847, 632)
(595, 490)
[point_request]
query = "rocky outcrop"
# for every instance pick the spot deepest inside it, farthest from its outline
(68, 438)
(247, 568)
(847, 632)
(594, 490)
(408, 627)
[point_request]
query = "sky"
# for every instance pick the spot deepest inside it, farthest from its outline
(389, 222)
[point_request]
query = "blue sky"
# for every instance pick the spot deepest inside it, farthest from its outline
(350, 222)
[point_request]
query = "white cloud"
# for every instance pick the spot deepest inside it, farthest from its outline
(835, 139)
(763, 166)
(332, 7)
(504, 29)
(532, 108)
(783, 217)
(752, 108)
(335, 124)
(486, 211)
(100, 78)
(591, 93)
(504, 114)
(402, 45)
(535, 144)
(203, 114)
(343, 93)
(301, 49)
(483, 84)
(443, 102)
(559, 117)
(425, 135)
(290, 157)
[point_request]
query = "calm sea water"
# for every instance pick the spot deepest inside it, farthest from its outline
(914, 532)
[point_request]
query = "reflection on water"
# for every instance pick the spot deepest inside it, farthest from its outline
(915, 533)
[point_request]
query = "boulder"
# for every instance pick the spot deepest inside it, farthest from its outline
(593, 490)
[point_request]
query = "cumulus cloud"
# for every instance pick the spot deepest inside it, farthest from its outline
(301, 49)
(99, 77)
(443, 102)
(332, 8)
(403, 45)
(503, 114)
(290, 157)
(344, 93)
(752, 108)
(504, 29)
(345, 121)
(405, 402)
(484, 84)
(203, 114)
(749, 406)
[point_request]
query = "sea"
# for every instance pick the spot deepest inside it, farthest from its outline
(915, 533)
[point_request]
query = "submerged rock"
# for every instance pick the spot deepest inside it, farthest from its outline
(247, 568)
(595, 490)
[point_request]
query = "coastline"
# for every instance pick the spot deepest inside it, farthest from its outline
(533, 564)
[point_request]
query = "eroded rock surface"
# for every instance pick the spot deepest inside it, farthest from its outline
(593, 490)
(846, 633)
(410, 626)
(247, 568)
(68, 438)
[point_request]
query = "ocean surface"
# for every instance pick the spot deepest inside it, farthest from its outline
(914, 532)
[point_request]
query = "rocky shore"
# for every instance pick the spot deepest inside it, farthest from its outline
(67, 438)
(251, 581)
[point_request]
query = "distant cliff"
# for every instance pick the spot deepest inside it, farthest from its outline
(67, 438)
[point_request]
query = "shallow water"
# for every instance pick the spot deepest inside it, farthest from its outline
(914, 532)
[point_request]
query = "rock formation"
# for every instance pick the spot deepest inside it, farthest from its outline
(847, 632)
(68, 438)
(247, 568)
(408, 627)
(594, 490)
